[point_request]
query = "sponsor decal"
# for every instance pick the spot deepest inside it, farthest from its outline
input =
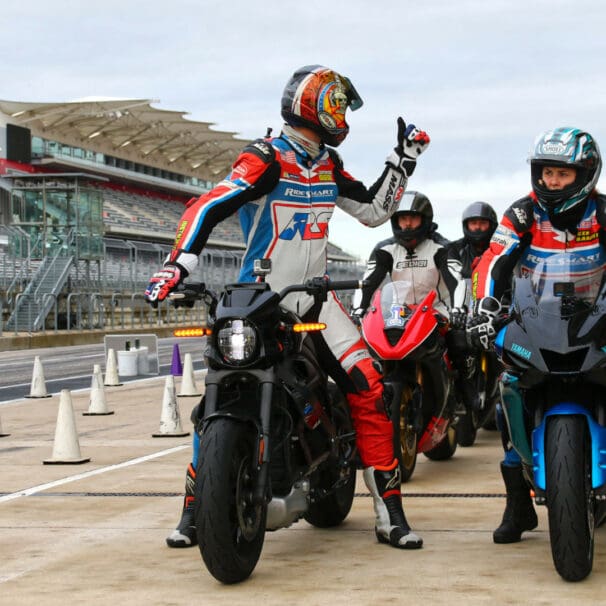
(179, 235)
(325, 175)
(520, 351)
(520, 214)
(412, 263)
(399, 193)
(586, 235)
(263, 147)
(390, 192)
(291, 176)
(308, 225)
(474, 285)
(555, 149)
(240, 169)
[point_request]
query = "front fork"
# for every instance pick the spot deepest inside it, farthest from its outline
(267, 380)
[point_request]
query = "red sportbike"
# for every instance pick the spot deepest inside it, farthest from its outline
(409, 342)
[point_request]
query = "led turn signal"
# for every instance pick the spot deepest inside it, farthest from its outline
(194, 331)
(309, 327)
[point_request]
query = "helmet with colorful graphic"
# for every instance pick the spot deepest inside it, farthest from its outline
(317, 97)
(412, 203)
(479, 210)
(571, 148)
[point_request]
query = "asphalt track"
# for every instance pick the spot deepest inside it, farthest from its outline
(94, 533)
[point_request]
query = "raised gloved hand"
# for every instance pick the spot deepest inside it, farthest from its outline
(458, 318)
(163, 282)
(412, 142)
(481, 330)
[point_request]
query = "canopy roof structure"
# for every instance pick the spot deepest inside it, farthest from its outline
(133, 130)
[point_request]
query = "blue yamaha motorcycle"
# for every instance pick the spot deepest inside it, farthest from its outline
(554, 397)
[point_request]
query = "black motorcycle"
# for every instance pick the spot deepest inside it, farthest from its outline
(276, 438)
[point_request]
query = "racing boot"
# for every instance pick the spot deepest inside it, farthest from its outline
(390, 522)
(185, 533)
(519, 511)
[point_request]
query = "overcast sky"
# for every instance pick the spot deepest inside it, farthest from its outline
(482, 77)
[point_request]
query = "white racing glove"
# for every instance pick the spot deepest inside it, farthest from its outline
(481, 330)
(412, 142)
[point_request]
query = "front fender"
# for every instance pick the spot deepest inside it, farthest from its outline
(598, 444)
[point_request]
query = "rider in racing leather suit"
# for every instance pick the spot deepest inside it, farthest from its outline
(423, 258)
(285, 190)
(564, 211)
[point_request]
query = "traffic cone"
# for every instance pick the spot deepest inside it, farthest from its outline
(176, 368)
(38, 387)
(188, 383)
(111, 370)
(97, 402)
(170, 420)
(66, 449)
(3, 435)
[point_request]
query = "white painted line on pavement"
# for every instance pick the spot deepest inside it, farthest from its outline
(88, 474)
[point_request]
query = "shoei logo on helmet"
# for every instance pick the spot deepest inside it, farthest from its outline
(553, 149)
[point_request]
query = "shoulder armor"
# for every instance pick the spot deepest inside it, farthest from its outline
(335, 157)
(262, 148)
(521, 214)
(600, 210)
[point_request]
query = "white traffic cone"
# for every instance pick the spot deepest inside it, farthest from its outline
(111, 370)
(188, 383)
(38, 387)
(3, 435)
(170, 420)
(97, 403)
(66, 449)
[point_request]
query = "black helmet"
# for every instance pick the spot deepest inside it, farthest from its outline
(413, 202)
(479, 210)
(317, 97)
(568, 147)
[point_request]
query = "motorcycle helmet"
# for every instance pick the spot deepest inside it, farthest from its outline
(317, 97)
(479, 210)
(412, 202)
(567, 147)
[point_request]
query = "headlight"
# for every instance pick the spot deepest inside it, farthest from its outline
(237, 341)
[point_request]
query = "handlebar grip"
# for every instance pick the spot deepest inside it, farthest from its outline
(346, 284)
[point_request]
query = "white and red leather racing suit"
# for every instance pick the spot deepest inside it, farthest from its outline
(285, 199)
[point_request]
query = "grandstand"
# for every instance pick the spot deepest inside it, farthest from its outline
(90, 196)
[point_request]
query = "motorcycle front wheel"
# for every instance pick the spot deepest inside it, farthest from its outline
(230, 527)
(446, 448)
(568, 492)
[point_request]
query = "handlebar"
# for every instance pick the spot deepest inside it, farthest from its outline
(320, 287)
(186, 294)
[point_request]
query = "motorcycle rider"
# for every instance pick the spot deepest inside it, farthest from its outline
(285, 189)
(563, 211)
(418, 254)
(479, 221)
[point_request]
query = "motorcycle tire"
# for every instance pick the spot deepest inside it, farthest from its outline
(568, 494)
(467, 429)
(335, 507)
(408, 452)
(229, 526)
(446, 448)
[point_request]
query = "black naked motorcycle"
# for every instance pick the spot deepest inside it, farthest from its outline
(276, 438)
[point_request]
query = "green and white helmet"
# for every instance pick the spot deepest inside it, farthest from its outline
(568, 147)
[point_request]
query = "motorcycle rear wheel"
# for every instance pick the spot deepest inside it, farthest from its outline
(467, 428)
(569, 500)
(230, 527)
(446, 448)
(335, 507)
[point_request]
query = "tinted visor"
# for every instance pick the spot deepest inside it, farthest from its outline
(354, 100)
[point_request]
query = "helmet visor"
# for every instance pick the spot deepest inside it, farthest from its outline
(354, 101)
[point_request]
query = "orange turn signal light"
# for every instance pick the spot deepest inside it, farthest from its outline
(309, 327)
(193, 331)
